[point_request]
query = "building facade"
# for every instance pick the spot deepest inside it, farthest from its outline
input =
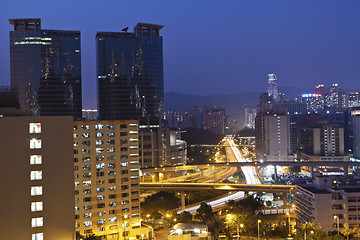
(38, 185)
(130, 75)
(326, 205)
(106, 162)
(45, 69)
(161, 147)
(272, 137)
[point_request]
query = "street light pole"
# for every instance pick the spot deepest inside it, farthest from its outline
(237, 230)
(337, 221)
(289, 225)
(259, 221)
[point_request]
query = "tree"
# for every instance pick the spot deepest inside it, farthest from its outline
(92, 237)
(185, 217)
(160, 201)
(351, 232)
(206, 216)
(312, 231)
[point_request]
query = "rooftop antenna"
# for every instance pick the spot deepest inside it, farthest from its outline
(125, 29)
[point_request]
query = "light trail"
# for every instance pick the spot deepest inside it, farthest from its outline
(249, 173)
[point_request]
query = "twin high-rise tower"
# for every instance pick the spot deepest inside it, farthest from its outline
(130, 74)
(45, 67)
(46, 72)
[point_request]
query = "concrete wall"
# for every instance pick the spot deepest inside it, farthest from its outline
(57, 178)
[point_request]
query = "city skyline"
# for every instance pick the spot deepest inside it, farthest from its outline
(268, 38)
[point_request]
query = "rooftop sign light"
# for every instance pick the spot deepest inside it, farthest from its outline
(310, 95)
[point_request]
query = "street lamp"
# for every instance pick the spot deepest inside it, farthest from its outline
(238, 234)
(259, 221)
(337, 220)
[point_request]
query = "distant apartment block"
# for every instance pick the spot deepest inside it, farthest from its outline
(90, 114)
(106, 164)
(272, 137)
(206, 117)
(37, 188)
(161, 147)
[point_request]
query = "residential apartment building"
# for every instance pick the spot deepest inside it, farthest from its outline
(106, 164)
(327, 205)
(161, 147)
(37, 179)
(272, 137)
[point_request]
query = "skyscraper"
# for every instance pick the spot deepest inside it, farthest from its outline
(272, 87)
(45, 68)
(130, 74)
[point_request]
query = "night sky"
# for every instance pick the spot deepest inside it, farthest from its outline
(214, 47)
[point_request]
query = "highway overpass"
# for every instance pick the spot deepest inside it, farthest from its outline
(274, 188)
(253, 164)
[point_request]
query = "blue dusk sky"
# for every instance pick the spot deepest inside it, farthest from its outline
(214, 47)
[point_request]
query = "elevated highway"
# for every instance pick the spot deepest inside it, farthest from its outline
(252, 164)
(217, 186)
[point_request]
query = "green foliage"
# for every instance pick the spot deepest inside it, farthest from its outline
(195, 197)
(87, 237)
(160, 202)
(312, 231)
(336, 237)
(205, 215)
(185, 217)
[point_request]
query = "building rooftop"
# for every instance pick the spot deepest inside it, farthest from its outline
(26, 23)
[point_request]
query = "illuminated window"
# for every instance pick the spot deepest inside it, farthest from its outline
(34, 127)
(36, 175)
(35, 159)
(99, 126)
(36, 191)
(87, 183)
(87, 223)
(99, 150)
(35, 143)
(36, 206)
(37, 236)
(37, 222)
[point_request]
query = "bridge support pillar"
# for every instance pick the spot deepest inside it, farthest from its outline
(161, 176)
(201, 172)
(284, 196)
(155, 177)
(167, 175)
(246, 194)
(275, 174)
(182, 195)
(346, 171)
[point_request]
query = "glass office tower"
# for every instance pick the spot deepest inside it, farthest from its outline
(130, 75)
(45, 68)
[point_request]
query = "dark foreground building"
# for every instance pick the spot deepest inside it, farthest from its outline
(45, 69)
(130, 75)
